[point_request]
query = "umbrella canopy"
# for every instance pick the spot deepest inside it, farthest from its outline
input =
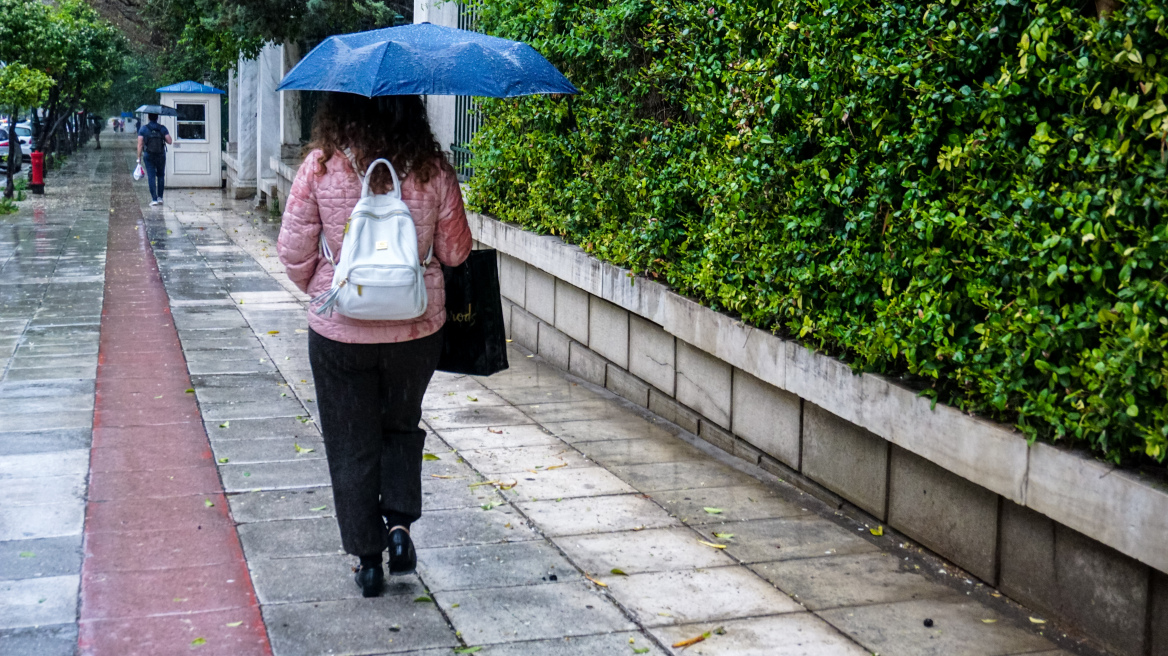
(161, 110)
(127, 114)
(425, 59)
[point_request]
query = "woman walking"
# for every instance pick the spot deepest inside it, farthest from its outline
(370, 376)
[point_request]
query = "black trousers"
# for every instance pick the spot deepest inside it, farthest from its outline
(370, 398)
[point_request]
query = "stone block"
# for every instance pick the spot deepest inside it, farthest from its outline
(716, 435)
(670, 410)
(845, 459)
(703, 383)
(747, 451)
(1159, 615)
(652, 354)
(627, 385)
(608, 331)
(1122, 509)
(944, 512)
(1063, 573)
(524, 328)
(553, 346)
(541, 294)
(513, 279)
(572, 311)
(507, 305)
(767, 417)
(585, 363)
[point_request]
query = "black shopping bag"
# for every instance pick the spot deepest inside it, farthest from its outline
(474, 340)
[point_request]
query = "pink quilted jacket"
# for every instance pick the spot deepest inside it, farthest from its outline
(318, 201)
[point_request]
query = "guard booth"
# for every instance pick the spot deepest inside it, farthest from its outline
(195, 159)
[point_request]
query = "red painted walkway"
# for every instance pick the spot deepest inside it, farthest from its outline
(164, 572)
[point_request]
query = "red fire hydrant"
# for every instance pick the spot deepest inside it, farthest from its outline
(36, 176)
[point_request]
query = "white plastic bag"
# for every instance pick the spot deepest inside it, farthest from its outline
(139, 172)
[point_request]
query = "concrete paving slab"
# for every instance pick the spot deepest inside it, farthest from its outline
(288, 475)
(356, 626)
(493, 416)
(737, 502)
(455, 492)
(41, 521)
(549, 610)
(269, 505)
(51, 640)
(852, 580)
(222, 412)
(493, 566)
(651, 550)
(795, 634)
(662, 476)
(38, 602)
(318, 578)
(268, 427)
(706, 595)
(613, 453)
(32, 442)
(37, 465)
(957, 629)
(554, 412)
(26, 559)
(483, 437)
(289, 538)
(623, 642)
(42, 490)
(277, 449)
(468, 526)
(557, 390)
(513, 459)
(586, 515)
(763, 540)
(451, 399)
(563, 483)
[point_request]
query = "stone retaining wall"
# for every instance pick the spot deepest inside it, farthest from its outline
(1054, 529)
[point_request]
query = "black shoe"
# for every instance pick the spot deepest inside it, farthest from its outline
(371, 580)
(402, 557)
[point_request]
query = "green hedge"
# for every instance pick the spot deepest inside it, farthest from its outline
(967, 194)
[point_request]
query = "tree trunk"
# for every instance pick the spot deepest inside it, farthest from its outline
(14, 154)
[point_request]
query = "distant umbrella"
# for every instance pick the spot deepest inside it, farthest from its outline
(161, 110)
(425, 59)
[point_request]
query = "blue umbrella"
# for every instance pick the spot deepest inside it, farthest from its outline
(161, 110)
(425, 59)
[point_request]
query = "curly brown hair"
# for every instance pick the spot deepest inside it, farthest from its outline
(393, 127)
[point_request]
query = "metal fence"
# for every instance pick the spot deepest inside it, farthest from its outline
(467, 117)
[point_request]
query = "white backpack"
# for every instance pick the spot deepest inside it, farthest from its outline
(378, 276)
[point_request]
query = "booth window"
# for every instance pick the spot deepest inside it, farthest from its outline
(192, 121)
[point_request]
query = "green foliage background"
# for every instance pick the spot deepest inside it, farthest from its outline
(968, 194)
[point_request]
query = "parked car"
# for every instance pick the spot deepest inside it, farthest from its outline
(24, 135)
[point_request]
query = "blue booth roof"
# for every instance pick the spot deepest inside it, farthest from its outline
(189, 87)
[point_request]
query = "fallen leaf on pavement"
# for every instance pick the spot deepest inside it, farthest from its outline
(273, 332)
(319, 508)
(989, 621)
(491, 504)
(197, 642)
(641, 650)
(562, 464)
(441, 476)
(225, 424)
(480, 483)
(223, 461)
(300, 449)
(27, 554)
(878, 531)
(208, 503)
(1037, 621)
(301, 330)
(692, 641)
(600, 583)
(430, 456)
(472, 398)
(424, 600)
(713, 511)
(234, 624)
(467, 650)
(724, 536)
(495, 431)
(711, 544)
(189, 390)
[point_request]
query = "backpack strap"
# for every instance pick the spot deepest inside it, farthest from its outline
(396, 193)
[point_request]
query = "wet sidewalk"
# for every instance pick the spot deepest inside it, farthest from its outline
(559, 519)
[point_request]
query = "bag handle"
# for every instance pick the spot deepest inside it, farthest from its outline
(396, 192)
